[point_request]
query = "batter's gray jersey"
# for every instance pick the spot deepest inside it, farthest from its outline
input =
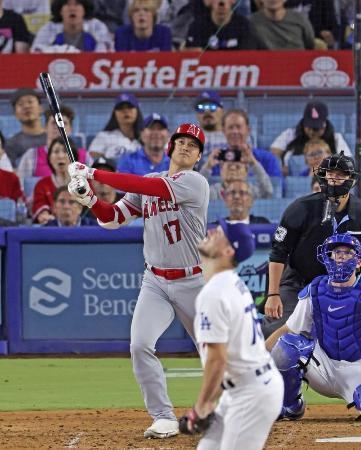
(173, 229)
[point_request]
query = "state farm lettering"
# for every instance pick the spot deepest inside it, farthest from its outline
(115, 74)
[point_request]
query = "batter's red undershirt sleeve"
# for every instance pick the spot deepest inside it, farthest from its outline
(136, 184)
(105, 212)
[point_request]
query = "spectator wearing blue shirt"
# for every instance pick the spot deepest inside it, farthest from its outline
(236, 128)
(151, 157)
(143, 34)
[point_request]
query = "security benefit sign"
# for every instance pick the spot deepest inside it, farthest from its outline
(253, 272)
(80, 291)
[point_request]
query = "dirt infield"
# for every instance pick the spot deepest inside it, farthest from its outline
(123, 430)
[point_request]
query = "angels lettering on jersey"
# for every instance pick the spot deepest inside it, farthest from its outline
(158, 206)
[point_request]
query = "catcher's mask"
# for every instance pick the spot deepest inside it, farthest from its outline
(336, 162)
(339, 271)
(190, 130)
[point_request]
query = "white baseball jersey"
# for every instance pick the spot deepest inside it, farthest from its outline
(173, 229)
(226, 313)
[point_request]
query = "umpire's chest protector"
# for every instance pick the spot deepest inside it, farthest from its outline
(337, 319)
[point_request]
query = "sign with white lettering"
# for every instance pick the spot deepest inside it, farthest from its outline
(179, 70)
(89, 297)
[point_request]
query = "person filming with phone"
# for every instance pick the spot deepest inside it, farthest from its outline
(236, 128)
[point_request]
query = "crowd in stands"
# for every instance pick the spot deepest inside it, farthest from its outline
(239, 173)
(51, 26)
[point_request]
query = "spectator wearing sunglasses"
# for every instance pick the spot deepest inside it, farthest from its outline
(209, 110)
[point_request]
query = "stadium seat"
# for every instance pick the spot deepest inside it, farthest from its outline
(271, 208)
(274, 123)
(29, 184)
(297, 186)
(296, 165)
(338, 121)
(216, 210)
(9, 125)
(8, 209)
(350, 138)
(277, 183)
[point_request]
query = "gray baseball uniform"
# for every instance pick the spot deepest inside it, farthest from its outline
(172, 231)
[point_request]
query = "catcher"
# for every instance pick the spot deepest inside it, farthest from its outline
(232, 351)
(321, 340)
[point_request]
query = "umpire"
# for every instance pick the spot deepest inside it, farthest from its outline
(305, 224)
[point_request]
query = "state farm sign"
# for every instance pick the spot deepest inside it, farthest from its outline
(172, 70)
(190, 73)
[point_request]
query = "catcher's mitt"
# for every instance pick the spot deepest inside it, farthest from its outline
(192, 424)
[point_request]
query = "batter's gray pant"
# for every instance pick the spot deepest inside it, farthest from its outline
(158, 302)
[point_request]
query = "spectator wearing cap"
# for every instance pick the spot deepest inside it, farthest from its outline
(151, 157)
(236, 128)
(122, 132)
(281, 28)
(72, 28)
(5, 163)
(14, 34)
(238, 199)
(232, 168)
(209, 111)
(314, 124)
(221, 29)
(143, 33)
(67, 211)
(28, 111)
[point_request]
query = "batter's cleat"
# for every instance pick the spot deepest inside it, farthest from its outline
(294, 412)
(162, 428)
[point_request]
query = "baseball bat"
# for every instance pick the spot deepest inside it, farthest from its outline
(53, 101)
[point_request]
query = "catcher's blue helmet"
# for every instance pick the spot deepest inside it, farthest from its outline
(340, 271)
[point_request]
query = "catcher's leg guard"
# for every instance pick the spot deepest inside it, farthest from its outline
(292, 353)
(357, 397)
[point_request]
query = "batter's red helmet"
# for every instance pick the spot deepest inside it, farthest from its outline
(190, 130)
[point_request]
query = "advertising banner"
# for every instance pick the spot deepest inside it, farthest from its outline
(180, 70)
(90, 297)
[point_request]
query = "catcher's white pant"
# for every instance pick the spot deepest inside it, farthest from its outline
(333, 378)
(246, 413)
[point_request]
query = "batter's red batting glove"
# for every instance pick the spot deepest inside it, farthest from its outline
(77, 169)
(88, 198)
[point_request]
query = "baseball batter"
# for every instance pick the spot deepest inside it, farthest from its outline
(232, 351)
(174, 208)
(321, 340)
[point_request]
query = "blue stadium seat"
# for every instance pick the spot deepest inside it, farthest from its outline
(94, 123)
(8, 209)
(89, 139)
(277, 183)
(271, 208)
(338, 121)
(297, 186)
(9, 125)
(274, 123)
(216, 210)
(29, 184)
(296, 165)
(350, 138)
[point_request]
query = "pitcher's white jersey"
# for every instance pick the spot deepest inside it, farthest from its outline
(173, 229)
(226, 313)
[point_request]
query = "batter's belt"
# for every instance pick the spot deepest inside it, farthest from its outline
(174, 274)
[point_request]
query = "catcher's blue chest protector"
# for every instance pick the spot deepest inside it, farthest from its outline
(337, 319)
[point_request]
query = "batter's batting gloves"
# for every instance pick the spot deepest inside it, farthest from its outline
(77, 169)
(191, 423)
(88, 198)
